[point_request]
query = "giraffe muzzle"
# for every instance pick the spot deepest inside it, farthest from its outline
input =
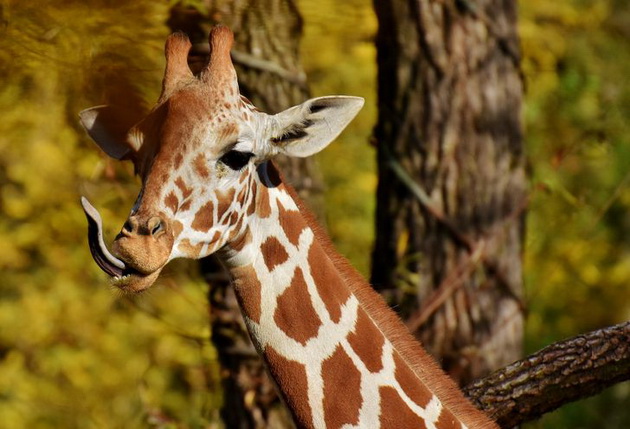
(139, 263)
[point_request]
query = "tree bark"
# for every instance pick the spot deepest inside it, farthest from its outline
(558, 374)
(265, 54)
(451, 193)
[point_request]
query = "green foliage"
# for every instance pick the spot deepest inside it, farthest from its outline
(576, 65)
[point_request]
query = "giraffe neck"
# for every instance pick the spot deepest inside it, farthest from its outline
(337, 352)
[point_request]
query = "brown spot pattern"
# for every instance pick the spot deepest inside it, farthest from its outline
(295, 314)
(447, 421)
(178, 227)
(241, 195)
(185, 205)
(263, 204)
(178, 160)
(330, 285)
(291, 378)
(273, 253)
(185, 190)
(367, 342)
(292, 223)
(204, 218)
(395, 414)
(233, 218)
(191, 250)
(248, 290)
(241, 241)
(225, 201)
(171, 202)
(251, 209)
(410, 383)
(200, 166)
(215, 237)
(337, 371)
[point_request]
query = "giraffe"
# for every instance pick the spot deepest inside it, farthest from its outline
(339, 355)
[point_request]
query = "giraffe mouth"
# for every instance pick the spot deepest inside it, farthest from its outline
(107, 262)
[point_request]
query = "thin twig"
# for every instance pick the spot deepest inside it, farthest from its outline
(425, 200)
(445, 290)
(474, 248)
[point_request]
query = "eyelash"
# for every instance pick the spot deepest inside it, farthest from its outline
(236, 159)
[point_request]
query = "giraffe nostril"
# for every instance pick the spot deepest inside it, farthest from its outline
(127, 227)
(130, 227)
(155, 226)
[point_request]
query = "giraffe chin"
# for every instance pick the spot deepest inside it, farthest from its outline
(135, 282)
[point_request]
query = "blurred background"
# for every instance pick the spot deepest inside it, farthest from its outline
(76, 354)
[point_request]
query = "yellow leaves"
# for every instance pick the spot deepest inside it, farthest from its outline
(339, 57)
(77, 354)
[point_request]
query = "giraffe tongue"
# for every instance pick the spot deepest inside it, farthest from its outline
(103, 258)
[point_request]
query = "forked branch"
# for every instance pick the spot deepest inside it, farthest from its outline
(563, 372)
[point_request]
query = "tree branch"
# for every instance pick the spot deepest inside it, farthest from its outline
(563, 372)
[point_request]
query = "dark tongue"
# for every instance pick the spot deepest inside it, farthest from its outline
(103, 258)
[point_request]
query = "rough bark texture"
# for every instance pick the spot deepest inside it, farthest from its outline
(451, 192)
(265, 54)
(561, 373)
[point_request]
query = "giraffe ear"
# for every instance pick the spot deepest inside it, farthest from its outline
(109, 127)
(306, 129)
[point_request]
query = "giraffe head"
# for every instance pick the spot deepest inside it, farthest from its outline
(200, 153)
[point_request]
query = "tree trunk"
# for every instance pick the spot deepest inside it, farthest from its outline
(265, 54)
(451, 194)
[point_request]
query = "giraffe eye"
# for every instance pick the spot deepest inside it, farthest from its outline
(235, 159)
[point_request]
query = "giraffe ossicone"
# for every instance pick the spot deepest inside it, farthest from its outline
(339, 355)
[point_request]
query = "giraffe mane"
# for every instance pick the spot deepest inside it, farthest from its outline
(385, 319)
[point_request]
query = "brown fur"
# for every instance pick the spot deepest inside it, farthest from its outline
(273, 253)
(203, 220)
(339, 370)
(241, 240)
(401, 416)
(200, 166)
(367, 342)
(418, 393)
(186, 191)
(171, 202)
(295, 314)
(225, 201)
(189, 249)
(292, 224)
(447, 421)
(327, 282)
(177, 227)
(248, 290)
(263, 206)
(291, 377)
